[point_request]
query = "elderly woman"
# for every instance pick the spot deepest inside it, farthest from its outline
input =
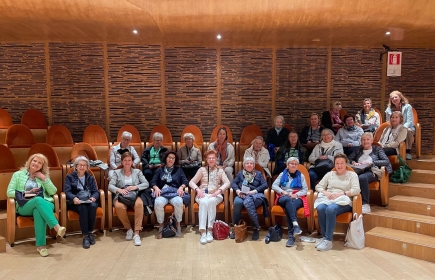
(190, 156)
(82, 197)
(400, 103)
(213, 182)
(124, 181)
(326, 150)
(225, 152)
(152, 157)
(311, 133)
(368, 118)
(292, 188)
(168, 184)
(249, 186)
(350, 135)
(369, 155)
(259, 153)
(335, 190)
(292, 148)
(393, 134)
(117, 150)
(276, 136)
(331, 119)
(33, 191)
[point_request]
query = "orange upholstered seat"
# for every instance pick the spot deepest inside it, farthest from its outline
(248, 134)
(19, 139)
(199, 140)
(96, 136)
(5, 123)
(59, 137)
(220, 208)
(167, 137)
(417, 135)
(136, 141)
(36, 121)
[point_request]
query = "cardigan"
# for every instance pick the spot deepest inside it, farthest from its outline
(195, 154)
(229, 161)
(220, 182)
(146, 156)
(18, 182)
(259, 184)
(71, 186)
(177, 174)
(117, 181)
(400, 137)
(378, 156)
(263, 156)
(277, 139)
(408, 116)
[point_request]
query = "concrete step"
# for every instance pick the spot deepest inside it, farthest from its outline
(382, 217)
(404, 243)
(422, 176)
(411, 204)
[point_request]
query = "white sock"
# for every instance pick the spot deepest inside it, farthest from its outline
(295, 224)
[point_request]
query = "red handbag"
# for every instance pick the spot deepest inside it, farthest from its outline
(221, 230)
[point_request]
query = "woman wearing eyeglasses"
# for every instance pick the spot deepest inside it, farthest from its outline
(152, 156)
(117, 151)
(331, 119)
(213, 183)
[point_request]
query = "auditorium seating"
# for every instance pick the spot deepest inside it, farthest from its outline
(167, 137)
(380, 115)
(259, 209)
(35, 120)
(417, 135)
(199, 140)
(5, 123)
(248, 134)
(221, 208)
(7, 169)
(402, 148)
(85, 149)
(19, 139)
(59, 137)
(135, 138)
(97, 138)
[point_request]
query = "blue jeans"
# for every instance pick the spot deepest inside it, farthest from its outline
(290, 207)
(238, 206)
(313, 179)
(364, 180)
(327, 217)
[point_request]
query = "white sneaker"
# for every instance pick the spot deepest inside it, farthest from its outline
(203, 239)
(326, 245)
(366, 208)
(136, 240)
(319, 242)
(129, 235)
(209, 236)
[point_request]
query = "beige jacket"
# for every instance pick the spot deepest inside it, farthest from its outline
(400, 137)
(218, 180)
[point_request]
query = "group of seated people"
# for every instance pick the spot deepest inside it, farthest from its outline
(165, 175)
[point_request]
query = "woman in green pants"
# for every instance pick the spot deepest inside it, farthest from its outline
(33, 190)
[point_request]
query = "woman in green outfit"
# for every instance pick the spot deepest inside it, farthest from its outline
(33, 190)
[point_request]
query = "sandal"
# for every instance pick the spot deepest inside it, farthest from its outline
(43, 252)
(159, 235)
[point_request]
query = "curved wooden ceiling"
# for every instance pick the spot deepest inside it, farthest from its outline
(254, 23)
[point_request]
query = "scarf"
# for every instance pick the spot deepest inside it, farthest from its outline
(391, 134)
(365, 117)
(221, 150)
(327, 146)
(351, 128)
(296, 183)
(167, 174)
(335, 117)
(249, 176)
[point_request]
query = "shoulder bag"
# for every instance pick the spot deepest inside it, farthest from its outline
(323, 166)
(355, 237)
(221, 230)
(274, 234)
(241, 231)
(170, 229)
(129, 199)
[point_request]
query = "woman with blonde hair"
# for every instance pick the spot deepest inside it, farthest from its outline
(400, 103)
(331, 119)
(213, 183)
(33, 190)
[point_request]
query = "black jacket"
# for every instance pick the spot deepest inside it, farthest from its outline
(146, 157)
(178, 178)
(277, 139)
(304, 135)
(72, 181)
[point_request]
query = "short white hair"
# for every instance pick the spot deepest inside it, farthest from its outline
(248, 159)
(290, 159)
(79, 159)
(157, 135)
(278, 117)
(126, 134)
(188, 135)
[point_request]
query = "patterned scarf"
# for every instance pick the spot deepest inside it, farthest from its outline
(249, 176)
(335, 117)
(222, 150)
(167, 174)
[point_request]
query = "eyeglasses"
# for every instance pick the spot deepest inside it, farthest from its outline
(293, 164)
(82, 165)
(171, 158)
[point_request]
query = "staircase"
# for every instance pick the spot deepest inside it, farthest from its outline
(407, 225)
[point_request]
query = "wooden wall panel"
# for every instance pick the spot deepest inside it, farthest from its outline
(191, 85)
(23, 79)
(134, 88)
(77, 86)
(417, 83)
(246, 79)
(301, 84)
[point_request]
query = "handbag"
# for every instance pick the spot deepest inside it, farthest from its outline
(402, 174)
(355, 237)
(83, 195)
(274, 234)
(323, 166)
(241, 231)
(221, 230)
(170, 229)
(360, 169)
(129, 199)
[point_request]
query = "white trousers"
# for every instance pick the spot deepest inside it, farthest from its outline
(159, 208)
(207, 210)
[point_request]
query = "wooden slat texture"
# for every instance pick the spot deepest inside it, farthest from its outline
(134, 88)
(77, 86)
(246, 84)
(191, 89)
(22, 79)
(301, 84)
(417, 84)
(415, 205)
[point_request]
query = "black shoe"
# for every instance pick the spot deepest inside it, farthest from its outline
(290, 242)
(91, 239)
(256, 234)
(86, 243)
(297, 230)
(232, 235)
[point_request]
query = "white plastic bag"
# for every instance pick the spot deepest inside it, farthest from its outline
(355, 237)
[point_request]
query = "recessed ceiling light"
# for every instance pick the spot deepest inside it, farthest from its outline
(387, 33)
(219, 36)
(135, 31)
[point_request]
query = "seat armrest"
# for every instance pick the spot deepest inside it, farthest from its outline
(357, 205)
(63, 209)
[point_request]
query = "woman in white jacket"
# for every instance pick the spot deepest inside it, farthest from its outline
(258, 152)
